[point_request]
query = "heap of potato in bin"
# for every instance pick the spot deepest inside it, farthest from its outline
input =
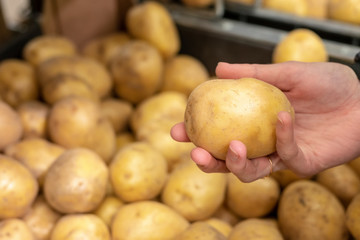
(86, 151)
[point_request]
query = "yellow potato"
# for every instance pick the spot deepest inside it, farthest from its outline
(217, 111)
(345, 11)
(118, 112)
(355, 165)
(18, 82)
(137, 70)
(160, 107)
(89, 70)
(255, 229)
(41, 218)
(352, 217)
(108, 208)
(18, 188)
(172, 150)
(152, 22)
(103, 49)
(76, 182)
(78, 122)
(46, 47)
(254, 199)
(80, 226)
(62, 86)
(200, 231)
(318, 9)
(307, 210)
(147, 219)
(221, 225)
(15, 229)
(33, 116)
(11, 129)
(183, 73)
(36, 154)
(285, 177)
(302, 45)
(341, 180)
(194, 194)
(225, 214)
(296, 7)
(124, 138)
(138, 172)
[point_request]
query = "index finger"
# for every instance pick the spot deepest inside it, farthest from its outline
(280, 75)
(178, 132)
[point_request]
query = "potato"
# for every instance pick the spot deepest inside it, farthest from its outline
(225, 214)
(200, 230)
(345, 11)
(118, 112)
(11, 129)
(33, 116)
(80, 226)
(108, 208)
(154, 220)
(342, 181)
(45, 47)
(255, 229)
(78, 122)
(217, 111)
(221, 225)
(18, 188)
(41, 218)
(169, 105)
(76, 182)
(194, 194)
(18, 82)
(255, 199)
(15, 229)
(172, 150)
(296, 7)
(352, 217)
(87, 69)
(285, 177)
(183, 73)
(103, 49)
(307, 210)
(137, 70)
(124, 138)
(317, 9)
(355, 165)
(138, 172)
(302, 45)
(62, 86)
(152, 22)
(36, 154)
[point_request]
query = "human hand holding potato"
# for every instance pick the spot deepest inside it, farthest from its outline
(323, 135)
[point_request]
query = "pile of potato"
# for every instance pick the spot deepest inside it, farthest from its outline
(86, 151)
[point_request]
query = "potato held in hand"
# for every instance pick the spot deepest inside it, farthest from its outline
(219, 111)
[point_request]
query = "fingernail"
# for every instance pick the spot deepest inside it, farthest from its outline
(280, 120)
(232, 155)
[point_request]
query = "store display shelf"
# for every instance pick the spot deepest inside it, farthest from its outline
(224, 39)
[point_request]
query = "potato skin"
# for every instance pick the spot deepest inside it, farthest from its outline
(18, 188)
(136, 220)
(307, 211)
(221, 110)
(152, 22)
(18, 83)
(11, 129)
(300, 45)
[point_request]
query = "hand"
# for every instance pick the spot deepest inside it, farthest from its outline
(325, 132)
